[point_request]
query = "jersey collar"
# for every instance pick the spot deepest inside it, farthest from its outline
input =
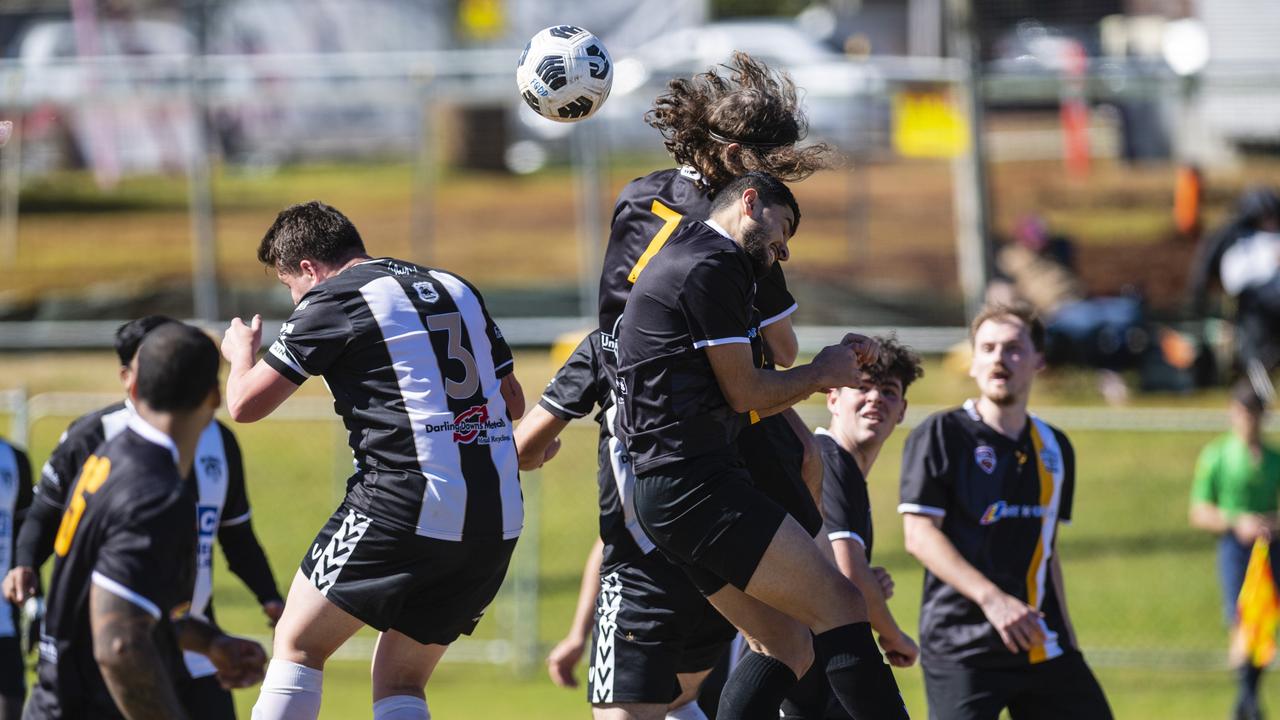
(153, 435)
(716, 226)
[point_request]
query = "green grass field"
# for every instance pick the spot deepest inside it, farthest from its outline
(1140, 583)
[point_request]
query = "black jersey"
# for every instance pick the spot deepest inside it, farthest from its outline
(414, 363)
(648, 213)
(579, 386)
(15, 499)
(846, 504)
(217, 479)
(130, 530)
(696, 293)
(1000, 501)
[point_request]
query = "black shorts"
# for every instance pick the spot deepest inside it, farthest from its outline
(774, 456)
(707, 517)
(1060, 689)
(205, 699)
(13, 672)
(651, 624)
(431, 590)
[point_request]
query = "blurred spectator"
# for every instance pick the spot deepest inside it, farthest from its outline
(1243, 258)
(1234, 495)
(1106, 333)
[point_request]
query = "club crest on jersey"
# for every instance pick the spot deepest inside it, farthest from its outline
(1049, 459)
(985, 456)
(426, 291)
(211, 465)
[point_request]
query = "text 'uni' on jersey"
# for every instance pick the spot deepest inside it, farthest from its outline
(1000, 501)
(647, 214)
(414, 362)
(696, 293)
(129, 530)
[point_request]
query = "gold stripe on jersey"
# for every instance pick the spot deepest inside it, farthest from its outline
(1034, 573)
(92, 476)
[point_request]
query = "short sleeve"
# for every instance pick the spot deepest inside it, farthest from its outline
(923, 488)
(846, 508)
(235, 511)
(773, 300)
(62, 467)
(716, 301)
(1204, 488)
(573, 392)
(312, 339)
(1068, 477)
(140, 560)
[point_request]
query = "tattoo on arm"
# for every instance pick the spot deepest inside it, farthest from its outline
(131, 664)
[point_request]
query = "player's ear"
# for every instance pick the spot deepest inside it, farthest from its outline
(750, 202)
(902, 414)
(833, 397)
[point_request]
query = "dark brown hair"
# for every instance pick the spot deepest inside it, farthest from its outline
(1018, 310)
(752, 106)
(309, 231)
(896, 361)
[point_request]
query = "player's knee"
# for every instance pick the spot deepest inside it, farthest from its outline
(795, 649)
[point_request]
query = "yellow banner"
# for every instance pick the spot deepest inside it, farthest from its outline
(927, 125)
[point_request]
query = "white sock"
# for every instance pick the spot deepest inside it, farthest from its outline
(401, 707)
(289, 692)
(687, 711)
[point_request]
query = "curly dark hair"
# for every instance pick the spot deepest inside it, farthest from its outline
(896, 361)
(751, 105)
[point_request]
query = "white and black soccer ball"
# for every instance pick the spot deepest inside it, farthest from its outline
(564, 73)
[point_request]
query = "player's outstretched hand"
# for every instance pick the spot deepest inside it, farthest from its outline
(1017, 622)
(899, 649)
(241, 662)
(19, 585)
(273, 609)
(240, 342)
(562, 661)
(885, 579)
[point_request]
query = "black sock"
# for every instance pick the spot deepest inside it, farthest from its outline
(755, 689)
(1249, 677)
(808, 699)
(859, 677)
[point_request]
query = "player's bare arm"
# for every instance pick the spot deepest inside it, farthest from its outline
(747, 387)
(537, 438)
(240, 661)
(1017, 622)
(851, 558)
(254, 388)
(784, 346)
(130, 662)
(512, 395)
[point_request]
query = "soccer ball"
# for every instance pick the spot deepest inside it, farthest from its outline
(564, 73)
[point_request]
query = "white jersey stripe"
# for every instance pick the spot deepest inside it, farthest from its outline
(502, 453)
(624, 477)
(1048, 525)
(444, 501)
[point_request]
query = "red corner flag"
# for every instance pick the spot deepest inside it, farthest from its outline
(1257, 609)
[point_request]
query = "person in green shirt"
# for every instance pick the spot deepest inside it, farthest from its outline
(1235, 495)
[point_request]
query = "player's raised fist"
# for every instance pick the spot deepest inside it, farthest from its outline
(867, 349)
(837, 365)
(240, 342)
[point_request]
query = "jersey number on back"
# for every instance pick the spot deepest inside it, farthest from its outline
(451, 323)
(91, 478)
(670, 219)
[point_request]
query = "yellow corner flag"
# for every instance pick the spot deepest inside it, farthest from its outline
(1257, 609)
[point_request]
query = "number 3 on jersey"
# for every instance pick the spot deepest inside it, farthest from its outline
(91, 478)
(670, 219)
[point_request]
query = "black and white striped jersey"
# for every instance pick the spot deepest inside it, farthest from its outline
(414, 363)
(223, 512)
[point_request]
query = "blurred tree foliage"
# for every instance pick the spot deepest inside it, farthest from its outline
(742, 8)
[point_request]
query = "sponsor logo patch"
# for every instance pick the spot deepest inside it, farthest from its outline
(473, 425)
(426, 291)
(985, 456)
(1000, 510)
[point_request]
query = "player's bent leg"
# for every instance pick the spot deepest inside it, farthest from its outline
(402, 666)
(310, 630)
(781, 651)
